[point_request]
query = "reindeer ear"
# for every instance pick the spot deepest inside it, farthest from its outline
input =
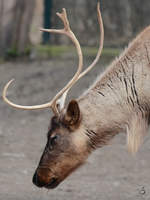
(72, 116)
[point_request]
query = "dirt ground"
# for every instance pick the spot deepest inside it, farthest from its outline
(110, 173)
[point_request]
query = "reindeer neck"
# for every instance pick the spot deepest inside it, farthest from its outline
(108, 106)
(102, 118)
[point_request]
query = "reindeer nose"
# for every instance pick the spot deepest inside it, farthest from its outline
(42, 177)
(36, 181)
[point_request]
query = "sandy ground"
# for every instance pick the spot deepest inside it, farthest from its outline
(110, 173)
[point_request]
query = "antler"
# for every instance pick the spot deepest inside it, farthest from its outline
(63, 93)
(101, 44)
(53, 103)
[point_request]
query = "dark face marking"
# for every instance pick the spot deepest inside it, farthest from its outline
(60, 157)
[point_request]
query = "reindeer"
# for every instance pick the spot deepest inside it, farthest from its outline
(119, 101)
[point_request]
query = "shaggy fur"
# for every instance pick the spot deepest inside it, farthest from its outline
(119, 101)
(120, 98)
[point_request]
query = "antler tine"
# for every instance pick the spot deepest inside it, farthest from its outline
(66, 31)
(100, 21)
(63, 17)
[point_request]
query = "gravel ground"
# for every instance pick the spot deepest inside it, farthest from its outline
(110, 172)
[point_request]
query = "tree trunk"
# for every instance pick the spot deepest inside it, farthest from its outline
(15, 21)
(1, 25)
(47, 19)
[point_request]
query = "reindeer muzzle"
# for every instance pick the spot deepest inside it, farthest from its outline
(43, 181)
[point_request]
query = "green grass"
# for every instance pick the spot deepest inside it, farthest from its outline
(2, 60)
(56, 51)
(53, 51)
(13, 53)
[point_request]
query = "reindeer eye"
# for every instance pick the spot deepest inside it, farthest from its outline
(54, 140)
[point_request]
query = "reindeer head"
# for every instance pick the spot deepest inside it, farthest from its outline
(67, 146)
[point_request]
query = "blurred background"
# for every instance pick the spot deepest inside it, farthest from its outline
(41, 65)
(20, 22)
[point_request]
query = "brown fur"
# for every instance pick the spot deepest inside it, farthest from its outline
(119, 101)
